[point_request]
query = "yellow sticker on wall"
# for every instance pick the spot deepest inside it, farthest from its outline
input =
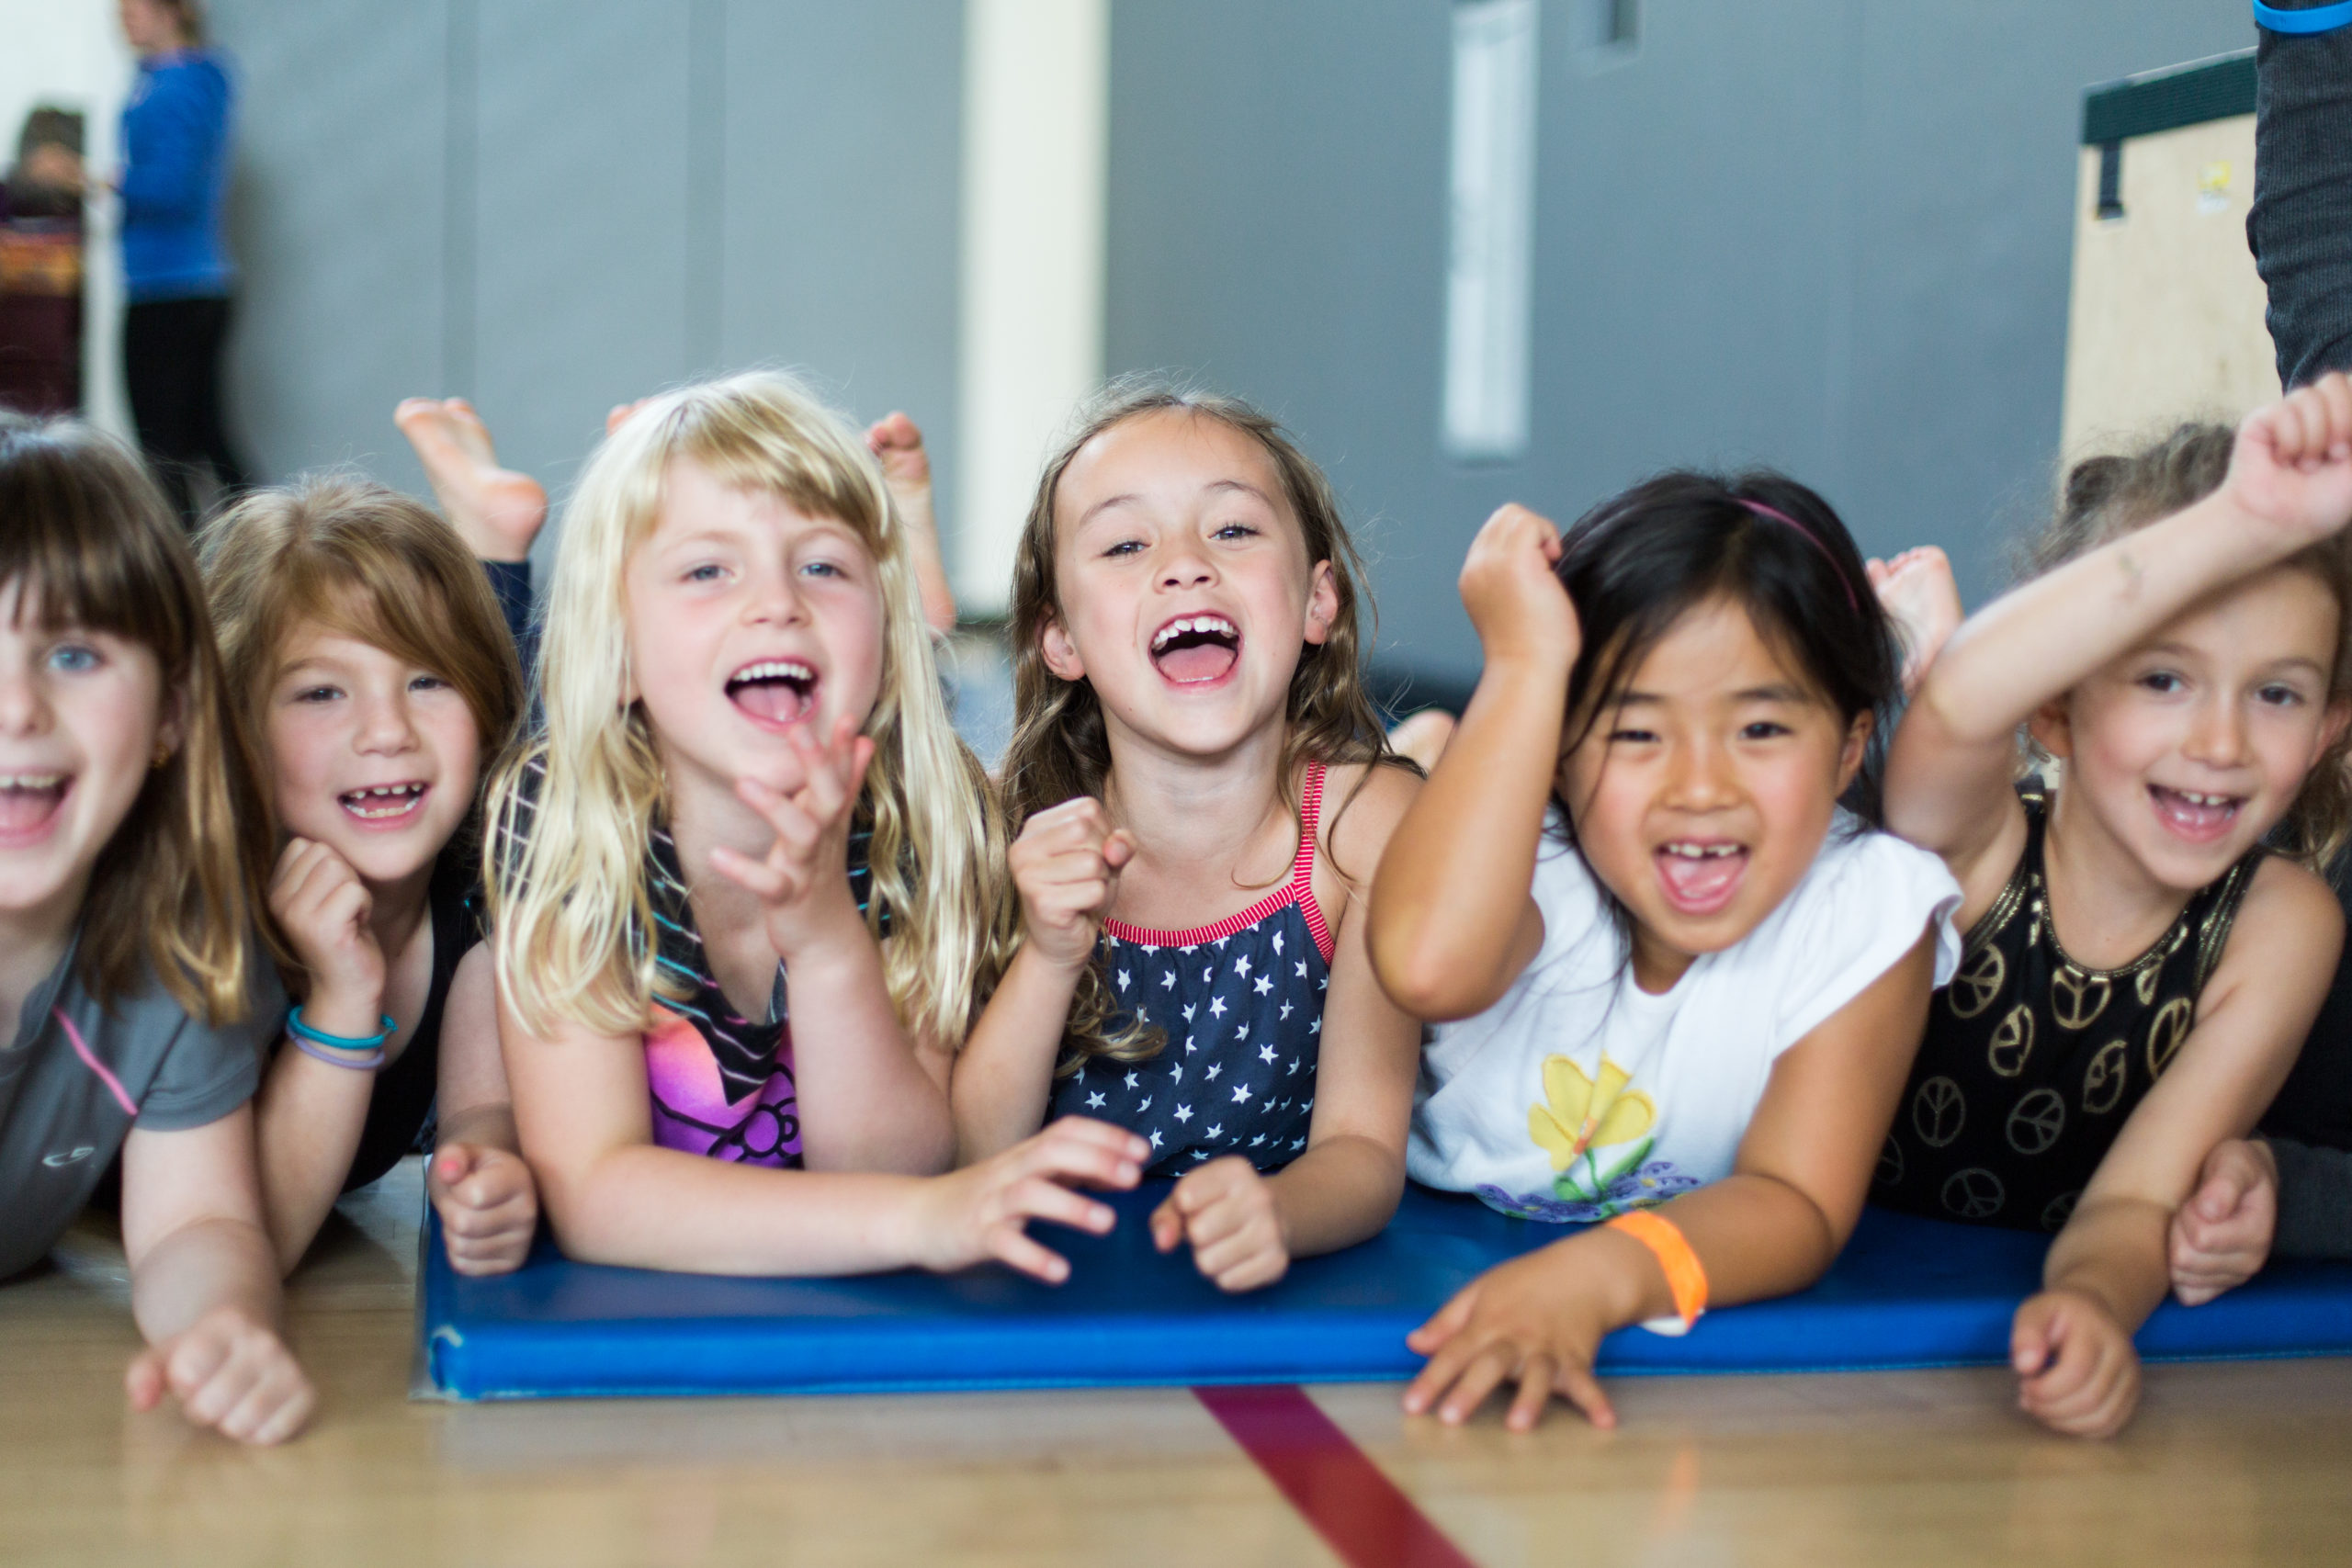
(2213, 188)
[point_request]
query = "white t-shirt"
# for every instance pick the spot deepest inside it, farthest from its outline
(1579, 1095)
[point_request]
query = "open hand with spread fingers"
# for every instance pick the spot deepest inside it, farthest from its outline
(803, 880)
(983, 1211)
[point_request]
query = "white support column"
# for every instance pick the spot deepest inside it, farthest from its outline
(1036, 89)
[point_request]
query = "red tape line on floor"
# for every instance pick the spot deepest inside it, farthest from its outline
(1332, 1483)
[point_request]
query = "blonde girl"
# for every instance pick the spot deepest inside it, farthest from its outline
(2140, 970)
(1202, 791)
(134, 998)
(374, 668)
(742, 887)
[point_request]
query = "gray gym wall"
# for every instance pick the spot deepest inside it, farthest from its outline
(1827, 234)
(1831, 235)
(553, 206)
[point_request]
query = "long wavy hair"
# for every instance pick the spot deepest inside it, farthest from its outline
(89, 542)
(2107, 497)
(573, 812)
(1061, 746)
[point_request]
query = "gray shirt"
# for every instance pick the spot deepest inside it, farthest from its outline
(79, 1075)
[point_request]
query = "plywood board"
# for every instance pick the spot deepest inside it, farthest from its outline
(2165, 322)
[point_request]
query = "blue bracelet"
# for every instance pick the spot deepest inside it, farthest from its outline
(2316, 19)
(357, 1063)
(301, 1031)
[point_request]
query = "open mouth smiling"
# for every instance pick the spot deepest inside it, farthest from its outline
(384, 805)
(1196, 651)
(776, 691)
(1699, 875)
(2198, 816)
(29, 802)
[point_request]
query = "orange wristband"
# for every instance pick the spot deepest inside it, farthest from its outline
(1686, 1277)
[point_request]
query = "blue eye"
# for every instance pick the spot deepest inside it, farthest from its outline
(1236, 530)
(1124, 547)
(822, 568)
(74, 659)
(702, 573)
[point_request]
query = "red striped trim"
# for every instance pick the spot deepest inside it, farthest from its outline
(1299, 890)
(1358, 1511)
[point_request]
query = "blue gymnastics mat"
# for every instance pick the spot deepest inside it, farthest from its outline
(1907, 1293)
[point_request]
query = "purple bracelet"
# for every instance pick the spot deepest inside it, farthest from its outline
(358, 1064)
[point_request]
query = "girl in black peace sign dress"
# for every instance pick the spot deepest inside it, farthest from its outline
(2140, 970)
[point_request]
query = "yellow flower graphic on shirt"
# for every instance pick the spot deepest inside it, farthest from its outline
(1582, 1115)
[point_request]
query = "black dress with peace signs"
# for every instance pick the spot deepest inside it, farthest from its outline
(2033, 1062)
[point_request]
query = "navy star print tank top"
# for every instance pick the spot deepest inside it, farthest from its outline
(1241, 1002)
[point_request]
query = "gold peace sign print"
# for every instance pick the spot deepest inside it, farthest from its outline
(2077, 998)
(2166, 1033)
(2103, 1079)
(2012, 1043)
(1938, 1112)
(1978, 982)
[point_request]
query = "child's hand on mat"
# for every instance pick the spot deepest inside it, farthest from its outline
(229, 1372)
(978, 1212)
(1522, 613)
(1539, 1320)
(2221, 1235)
(322, 906)
(803, 877)
(1065, 863)
(1227, 1211)
(1919, 595)
(2292, 465)
(2077, 1373)
(487, 1204)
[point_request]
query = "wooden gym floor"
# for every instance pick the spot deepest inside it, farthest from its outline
(2239, 1463)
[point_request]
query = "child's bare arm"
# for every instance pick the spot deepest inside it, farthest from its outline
(615, 1197)
(204, 1283)
(896, 443)
(1451, 922)
(867, 1101)
(2110, 1268)
(1771, 1227)
(478, 1180)
(1244, 1228)
(1921, 598)
(1950, 770)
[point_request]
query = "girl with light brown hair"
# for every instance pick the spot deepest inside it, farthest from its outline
(1202, 791)
(368, 655)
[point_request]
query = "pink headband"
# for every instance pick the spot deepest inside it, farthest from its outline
(1812, 538)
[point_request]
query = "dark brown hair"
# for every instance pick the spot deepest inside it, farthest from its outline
(1060, 748)
(2107, 497)
(92, 543)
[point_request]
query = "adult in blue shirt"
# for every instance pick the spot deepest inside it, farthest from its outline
(176, 274)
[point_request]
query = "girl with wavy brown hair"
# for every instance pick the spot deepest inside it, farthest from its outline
(1201, 790)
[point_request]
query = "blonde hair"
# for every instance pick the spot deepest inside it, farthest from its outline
(368, 562)
(2107, 497)
(571, 814)
(90, 542)
(1060, 748)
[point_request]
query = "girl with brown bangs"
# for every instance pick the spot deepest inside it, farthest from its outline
(374, 669)
(134, 1001)
(1188, 697)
